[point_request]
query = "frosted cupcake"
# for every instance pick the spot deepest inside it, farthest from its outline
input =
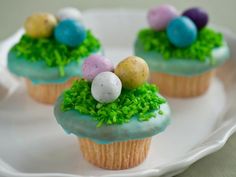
(113, 114)
(181, 50)
(51, 52)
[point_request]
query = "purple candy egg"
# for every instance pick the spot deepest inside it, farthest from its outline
(94, 65)
(198, 16)
(159, 17)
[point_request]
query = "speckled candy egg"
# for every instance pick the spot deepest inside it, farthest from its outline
(159, 17)
(94, 65)
(70, 32)
(132, 71)
(106, 87)
(181, 32)
(40, 25)
(69, 13)
(198, 16)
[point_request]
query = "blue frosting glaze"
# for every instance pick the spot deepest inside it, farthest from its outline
(39, 73)
(182, 67)
(85, 126)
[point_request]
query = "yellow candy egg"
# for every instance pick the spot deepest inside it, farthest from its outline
(132, 71)
(40, 25)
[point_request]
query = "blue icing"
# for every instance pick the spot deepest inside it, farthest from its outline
(39, 73)
(85, 126)
(182, 67)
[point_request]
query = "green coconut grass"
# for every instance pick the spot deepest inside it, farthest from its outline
(201, 49)
(141, 102)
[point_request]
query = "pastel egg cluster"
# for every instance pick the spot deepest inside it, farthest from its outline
(181, 30)
(106, 87)
(66, 26)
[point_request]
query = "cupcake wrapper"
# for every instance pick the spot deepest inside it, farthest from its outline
(181, 86)
(47, 93)
(115, 156)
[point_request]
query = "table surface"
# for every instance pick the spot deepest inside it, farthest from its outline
(13, 13)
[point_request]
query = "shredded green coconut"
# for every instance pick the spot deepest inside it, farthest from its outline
(201, 49)
(142, 102)
(54, 53)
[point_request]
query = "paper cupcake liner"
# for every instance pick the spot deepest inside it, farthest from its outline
(115, 156)
(182, 86)
(47, 93)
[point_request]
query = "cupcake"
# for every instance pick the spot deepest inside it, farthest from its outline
(182, 52)
(114, 114)
(50, 54)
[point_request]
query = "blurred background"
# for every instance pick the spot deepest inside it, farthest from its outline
(14, 12)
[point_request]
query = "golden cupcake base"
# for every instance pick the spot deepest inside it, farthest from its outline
(47, 93)
(182, 86)
(115, 156)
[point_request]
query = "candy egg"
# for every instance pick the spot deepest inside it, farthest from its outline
(159, 17)
(181, 32)
(69, 13)
(106, 87)
(40, 25)
(132, 71)
(70, 32)
(198, 16)
(94, 65)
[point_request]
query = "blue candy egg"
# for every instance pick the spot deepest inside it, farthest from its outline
(70, 32)
(181, 32)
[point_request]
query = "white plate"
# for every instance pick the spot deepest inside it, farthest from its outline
(32, 144)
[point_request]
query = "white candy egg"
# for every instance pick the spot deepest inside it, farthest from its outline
(106, 87)
(69, 13)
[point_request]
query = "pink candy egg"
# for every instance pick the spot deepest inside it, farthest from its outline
(94, 65)
(159, 17)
